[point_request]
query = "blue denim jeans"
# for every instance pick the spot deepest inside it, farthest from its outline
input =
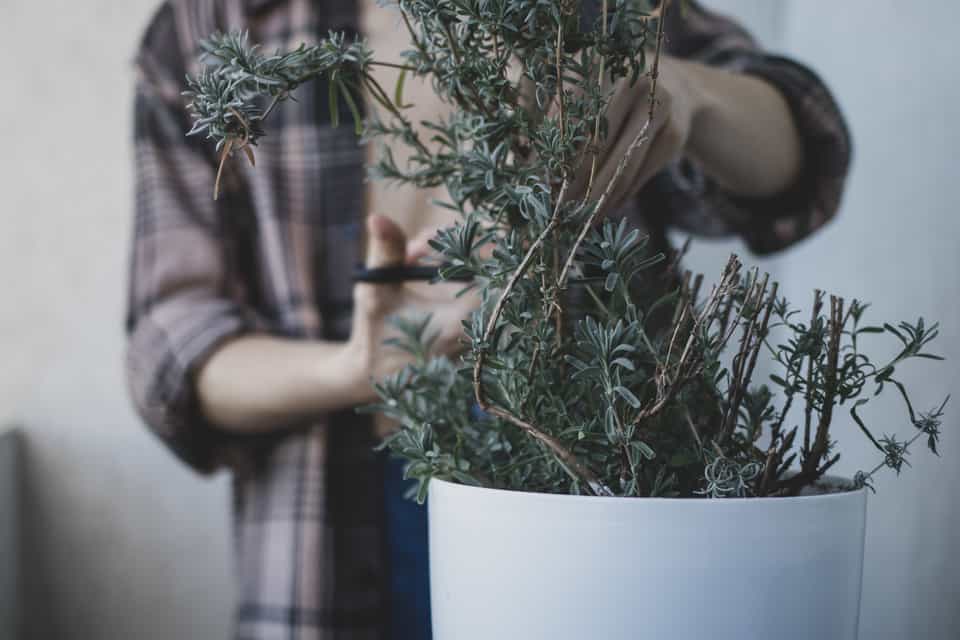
(406, 543)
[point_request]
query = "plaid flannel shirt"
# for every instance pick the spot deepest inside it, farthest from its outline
(274, 254)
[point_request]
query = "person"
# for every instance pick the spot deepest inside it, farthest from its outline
(250, 346)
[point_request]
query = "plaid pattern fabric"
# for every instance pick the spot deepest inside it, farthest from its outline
(274, 255)
(684, 197)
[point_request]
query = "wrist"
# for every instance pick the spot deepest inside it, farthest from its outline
(354, 365)
(742, 134)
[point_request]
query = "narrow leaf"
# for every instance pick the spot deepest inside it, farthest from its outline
(354, 111)
(628, 396)
(332, 103)
(398, 91)
(611, 282)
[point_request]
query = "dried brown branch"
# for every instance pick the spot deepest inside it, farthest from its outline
(695, 292)
(555, 302)
(638, 140)
(532, 251)
(769, 466)
(822, 440)
(672, 378)
(693, 430)
(725, 316)
(812, 466)
(378, 93)
(683, 299)
(564, 454)
(596, 123)
(776, 464)
(560, 97)
(745, 361)
(808, 409)
(224, 154)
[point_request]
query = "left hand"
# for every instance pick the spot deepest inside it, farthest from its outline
(666, 137)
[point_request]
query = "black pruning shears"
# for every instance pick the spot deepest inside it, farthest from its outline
(395, 275)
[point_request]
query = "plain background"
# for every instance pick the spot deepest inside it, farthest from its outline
(123, 542)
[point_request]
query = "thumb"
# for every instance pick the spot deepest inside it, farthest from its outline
(419, 247)
(386, 242)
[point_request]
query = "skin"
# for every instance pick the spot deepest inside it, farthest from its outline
(257, 383)
(737, 128)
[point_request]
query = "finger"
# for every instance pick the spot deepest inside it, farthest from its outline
(628, 181)
(622, 112)
(664, 150)
(419, 247)
(386, 243)
(386, 247)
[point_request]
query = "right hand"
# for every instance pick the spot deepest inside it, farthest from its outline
(374, 304)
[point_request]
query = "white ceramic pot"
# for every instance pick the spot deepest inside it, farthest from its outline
(507, 565)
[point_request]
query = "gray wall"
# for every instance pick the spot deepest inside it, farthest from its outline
(125, 543)
(121, 541)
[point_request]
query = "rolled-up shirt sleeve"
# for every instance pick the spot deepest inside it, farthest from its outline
(688, 198)
(179, 309)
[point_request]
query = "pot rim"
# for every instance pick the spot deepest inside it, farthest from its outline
(517, 495)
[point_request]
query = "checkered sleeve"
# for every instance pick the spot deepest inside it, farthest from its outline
(178, 309)
(691, 200)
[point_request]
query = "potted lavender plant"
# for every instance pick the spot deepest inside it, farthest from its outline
(602, 458)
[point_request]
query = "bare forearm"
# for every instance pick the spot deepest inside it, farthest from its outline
(743, 133)
(259, 383)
